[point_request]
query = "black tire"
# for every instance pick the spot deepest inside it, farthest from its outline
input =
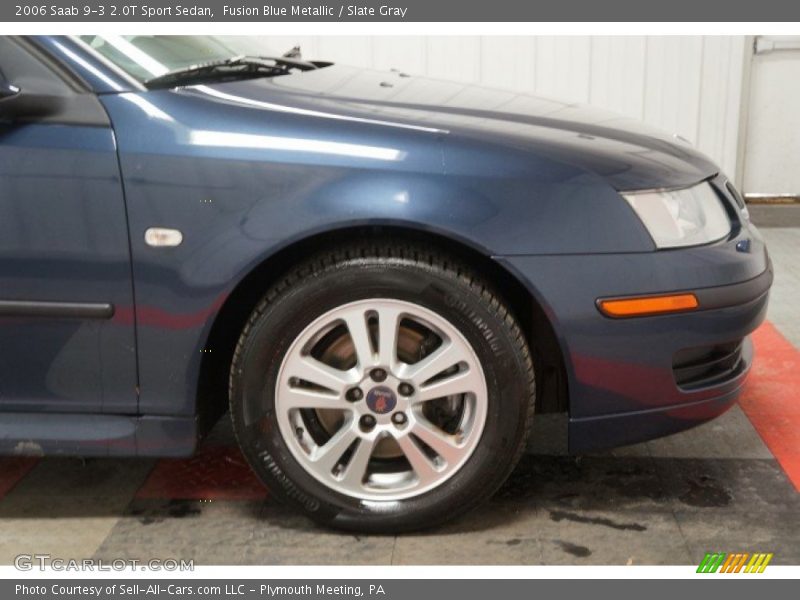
(392, 270)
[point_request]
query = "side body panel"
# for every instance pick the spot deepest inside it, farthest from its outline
(241, 183)
(63, 240)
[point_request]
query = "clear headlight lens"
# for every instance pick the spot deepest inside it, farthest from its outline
(686, 217)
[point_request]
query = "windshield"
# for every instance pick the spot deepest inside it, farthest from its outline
(148, 56)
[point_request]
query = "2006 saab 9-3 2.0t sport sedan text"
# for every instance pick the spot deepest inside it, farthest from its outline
(382, 277)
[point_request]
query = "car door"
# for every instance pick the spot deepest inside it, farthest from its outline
(66, 305)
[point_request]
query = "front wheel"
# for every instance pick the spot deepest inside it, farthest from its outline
(382, 389)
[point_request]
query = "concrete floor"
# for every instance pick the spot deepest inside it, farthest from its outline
(669, 501)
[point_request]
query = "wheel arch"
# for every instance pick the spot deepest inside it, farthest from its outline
(212, 389)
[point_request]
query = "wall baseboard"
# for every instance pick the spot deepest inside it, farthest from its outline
(772, 198)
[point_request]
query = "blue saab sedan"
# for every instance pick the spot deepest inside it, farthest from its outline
(381, 277)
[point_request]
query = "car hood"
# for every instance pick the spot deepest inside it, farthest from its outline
(627, 153)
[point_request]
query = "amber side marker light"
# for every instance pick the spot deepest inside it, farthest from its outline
(648, 305)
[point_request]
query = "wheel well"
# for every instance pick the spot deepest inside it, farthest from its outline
(212, 397)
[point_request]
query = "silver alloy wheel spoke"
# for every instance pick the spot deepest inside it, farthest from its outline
(326, 457)
(443, 358)
(388, 326)
(443, 444)
(461, 382)
(314, 371)
(356, 321)
(425, 470)
(340, 445)
(357, 467)
(305, 398)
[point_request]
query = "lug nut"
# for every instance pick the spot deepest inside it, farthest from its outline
(378, 375)
(399, 418)
(366, 422)
(406, 389)
(354, 394)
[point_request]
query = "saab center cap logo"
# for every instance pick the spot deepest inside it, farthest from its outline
(381, 400)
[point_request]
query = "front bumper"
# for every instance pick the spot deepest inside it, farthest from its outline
(620, 372)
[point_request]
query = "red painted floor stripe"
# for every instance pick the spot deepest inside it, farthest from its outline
(771, 399)
(12, 470)
(214, 473)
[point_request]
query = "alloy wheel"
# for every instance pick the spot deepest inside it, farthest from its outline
(381, 399)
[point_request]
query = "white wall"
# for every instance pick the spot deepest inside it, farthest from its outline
(689, 85)
(772, 148)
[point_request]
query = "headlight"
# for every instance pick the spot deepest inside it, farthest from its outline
(686, 217)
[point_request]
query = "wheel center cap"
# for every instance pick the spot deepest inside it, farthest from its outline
(381, 400)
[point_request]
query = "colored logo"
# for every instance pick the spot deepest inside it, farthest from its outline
(737, 562)
(381, 400)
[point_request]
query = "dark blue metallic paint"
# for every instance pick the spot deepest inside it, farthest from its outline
(247, 169)
(63, 238)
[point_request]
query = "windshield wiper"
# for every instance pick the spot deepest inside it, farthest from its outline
(293, 52)
(230, 68)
